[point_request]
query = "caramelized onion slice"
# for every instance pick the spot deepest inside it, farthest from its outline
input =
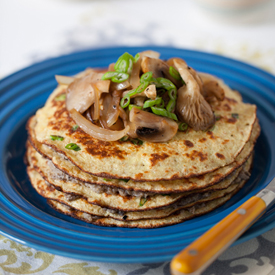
(81, 93)
(96, 131)
(64, 80)
(110, 112)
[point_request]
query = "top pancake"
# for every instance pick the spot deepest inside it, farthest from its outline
(188, 154)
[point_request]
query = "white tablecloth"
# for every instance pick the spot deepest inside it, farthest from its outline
(31, 31)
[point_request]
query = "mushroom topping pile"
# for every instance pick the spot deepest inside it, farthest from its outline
(142, 97)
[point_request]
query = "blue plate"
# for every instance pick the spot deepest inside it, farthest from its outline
(25, 216)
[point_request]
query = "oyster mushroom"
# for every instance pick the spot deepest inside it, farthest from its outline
(212, 90)
(159, 69)
(191, 106)
(150, 127)
(171, 62)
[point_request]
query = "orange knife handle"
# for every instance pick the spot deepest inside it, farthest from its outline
(198, 255)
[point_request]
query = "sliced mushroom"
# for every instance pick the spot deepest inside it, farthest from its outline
(191, 106)
(150, 127)
(159, 69)
(212, 89)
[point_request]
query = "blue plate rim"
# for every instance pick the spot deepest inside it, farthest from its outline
(24, 72)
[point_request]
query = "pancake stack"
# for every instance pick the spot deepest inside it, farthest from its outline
(140, 184)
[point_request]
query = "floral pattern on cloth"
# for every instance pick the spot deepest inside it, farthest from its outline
(253, 257)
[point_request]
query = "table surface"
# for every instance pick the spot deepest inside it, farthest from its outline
(32, 31)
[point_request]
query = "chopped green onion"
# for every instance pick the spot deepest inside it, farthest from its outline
(138, 90)
(115, 76)
(124, 63)
(142, 87)
(120, 77)
(75, 127)
(125, 180)
(174, 73)
(161, 92)
(132, 105)
(136, 141)
(166, 83)
(60, 97)
(162, 104)
(155, 82)
(125, 101)
(108, 75)
(218, 117)
(152, 102)
(107, 179)
(72, 146)
(235, 115)
(173, 94)
(142, 201)
(171, 105)
(56, 137)
(163, 112)
(124, 138)
(146, 77)
(136, 58)
(183, 126)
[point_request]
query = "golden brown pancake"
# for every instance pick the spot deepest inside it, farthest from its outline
(187, 155)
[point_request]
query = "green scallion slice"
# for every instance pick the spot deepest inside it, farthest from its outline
(217, 117)
(120, 77)
(136, 141)
(75, 127)
(142, 201)
(146, 77)
(183, 126)
(125, 101)
(174, 73)
(173, 94)
(166, 83)
(136, 58)
(131, 106)
(161, 92)
(142, 87)
(117, 77)
(171, 105)
(60, 97)
(163, 112)
(53, 137)
(124, 63)
(152, 102)
(106, 179)
(125, 180)
(124, 138)
(72, 146)
(235, 115)
(108, 75)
